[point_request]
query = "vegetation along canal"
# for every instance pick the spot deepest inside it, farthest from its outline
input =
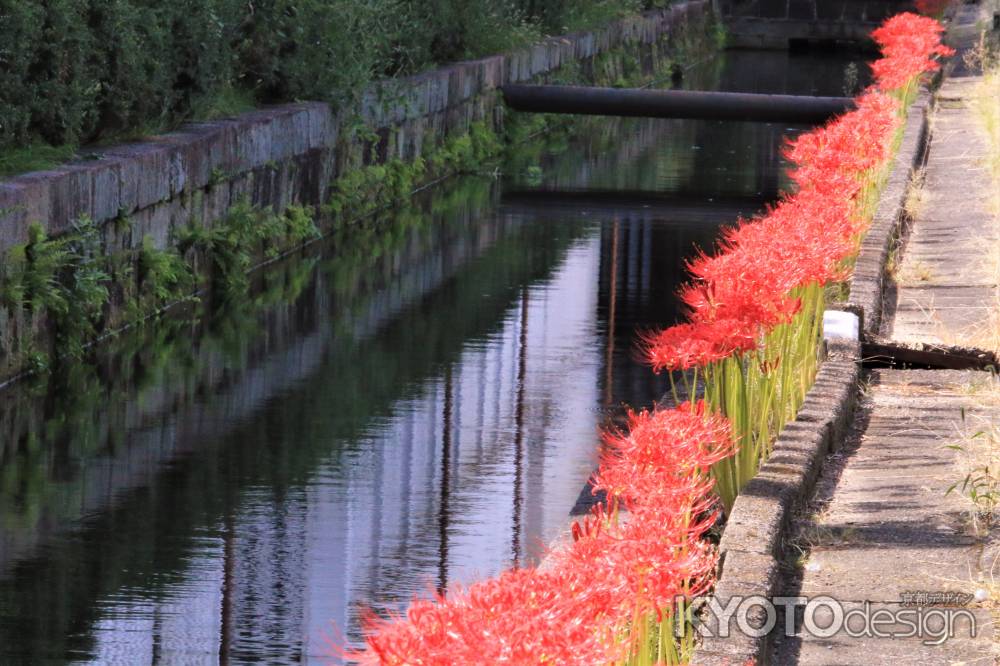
(412, 403)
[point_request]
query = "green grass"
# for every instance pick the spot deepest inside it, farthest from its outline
(224, 103)
(40, 156)
(34, 157)
(589, 15)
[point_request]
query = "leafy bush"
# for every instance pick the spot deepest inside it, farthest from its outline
(79, 71)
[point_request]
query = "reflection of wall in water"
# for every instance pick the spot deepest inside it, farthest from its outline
(639, 255)
(417, 513)
(131, 435)
(221, 417)
(189, 415)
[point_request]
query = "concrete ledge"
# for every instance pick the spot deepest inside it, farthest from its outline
(761, 516)
(868, 280)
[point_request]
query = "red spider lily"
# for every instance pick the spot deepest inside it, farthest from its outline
(737, 309)
(742, 291)
(908, 43)
(575, 610)
(693, 345)
(523, 616)
(910, 34)
(656, 444)
(830, 159)
(650, 561)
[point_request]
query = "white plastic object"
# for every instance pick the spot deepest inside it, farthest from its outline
(839, 325)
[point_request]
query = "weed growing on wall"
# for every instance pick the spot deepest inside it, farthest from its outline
(63, 280)
(247, 234)
(65, 283)
(364, 190)
(162, 277)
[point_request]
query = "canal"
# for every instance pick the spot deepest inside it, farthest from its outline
(407, 405)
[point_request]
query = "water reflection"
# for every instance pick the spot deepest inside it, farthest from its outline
(412, 404)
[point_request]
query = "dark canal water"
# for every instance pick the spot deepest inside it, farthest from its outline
(413, 404)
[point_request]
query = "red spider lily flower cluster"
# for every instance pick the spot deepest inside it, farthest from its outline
(908, 43)
(742, 292)
(577, 609)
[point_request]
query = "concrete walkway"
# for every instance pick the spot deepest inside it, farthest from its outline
(947, 280)
(883, 528)
(882, 525)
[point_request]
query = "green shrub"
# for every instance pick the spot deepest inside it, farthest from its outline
(79, 71)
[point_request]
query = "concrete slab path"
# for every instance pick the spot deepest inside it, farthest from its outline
(883, 525)
(947, 281)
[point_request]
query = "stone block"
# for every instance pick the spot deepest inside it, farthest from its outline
(830, 10)
(70, 191)
(756, 521)
(145, 174)
(773, 8)
(494, 71)
(152, 222)
(802, 9)
(14, 215)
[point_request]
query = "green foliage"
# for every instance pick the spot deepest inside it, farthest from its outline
(362, 191)
(318, 49)
(67, 281)
(246, 235)
(161, 275)
(79, 71)
(33, 281)
(719, 35)
(63, 279)
(466, 153)
(34, 157)
(436, 31)
(569, 15)
(85, 285)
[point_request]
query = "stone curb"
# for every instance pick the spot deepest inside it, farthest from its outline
(761, 516)
(869, 279)
(759, 523)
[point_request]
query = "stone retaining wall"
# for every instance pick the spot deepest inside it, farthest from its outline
(291, 154)
(868, 281)
(754, 538)
(775, 24)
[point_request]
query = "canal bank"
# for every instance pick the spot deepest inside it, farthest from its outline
(269, 449)
(155, 217)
